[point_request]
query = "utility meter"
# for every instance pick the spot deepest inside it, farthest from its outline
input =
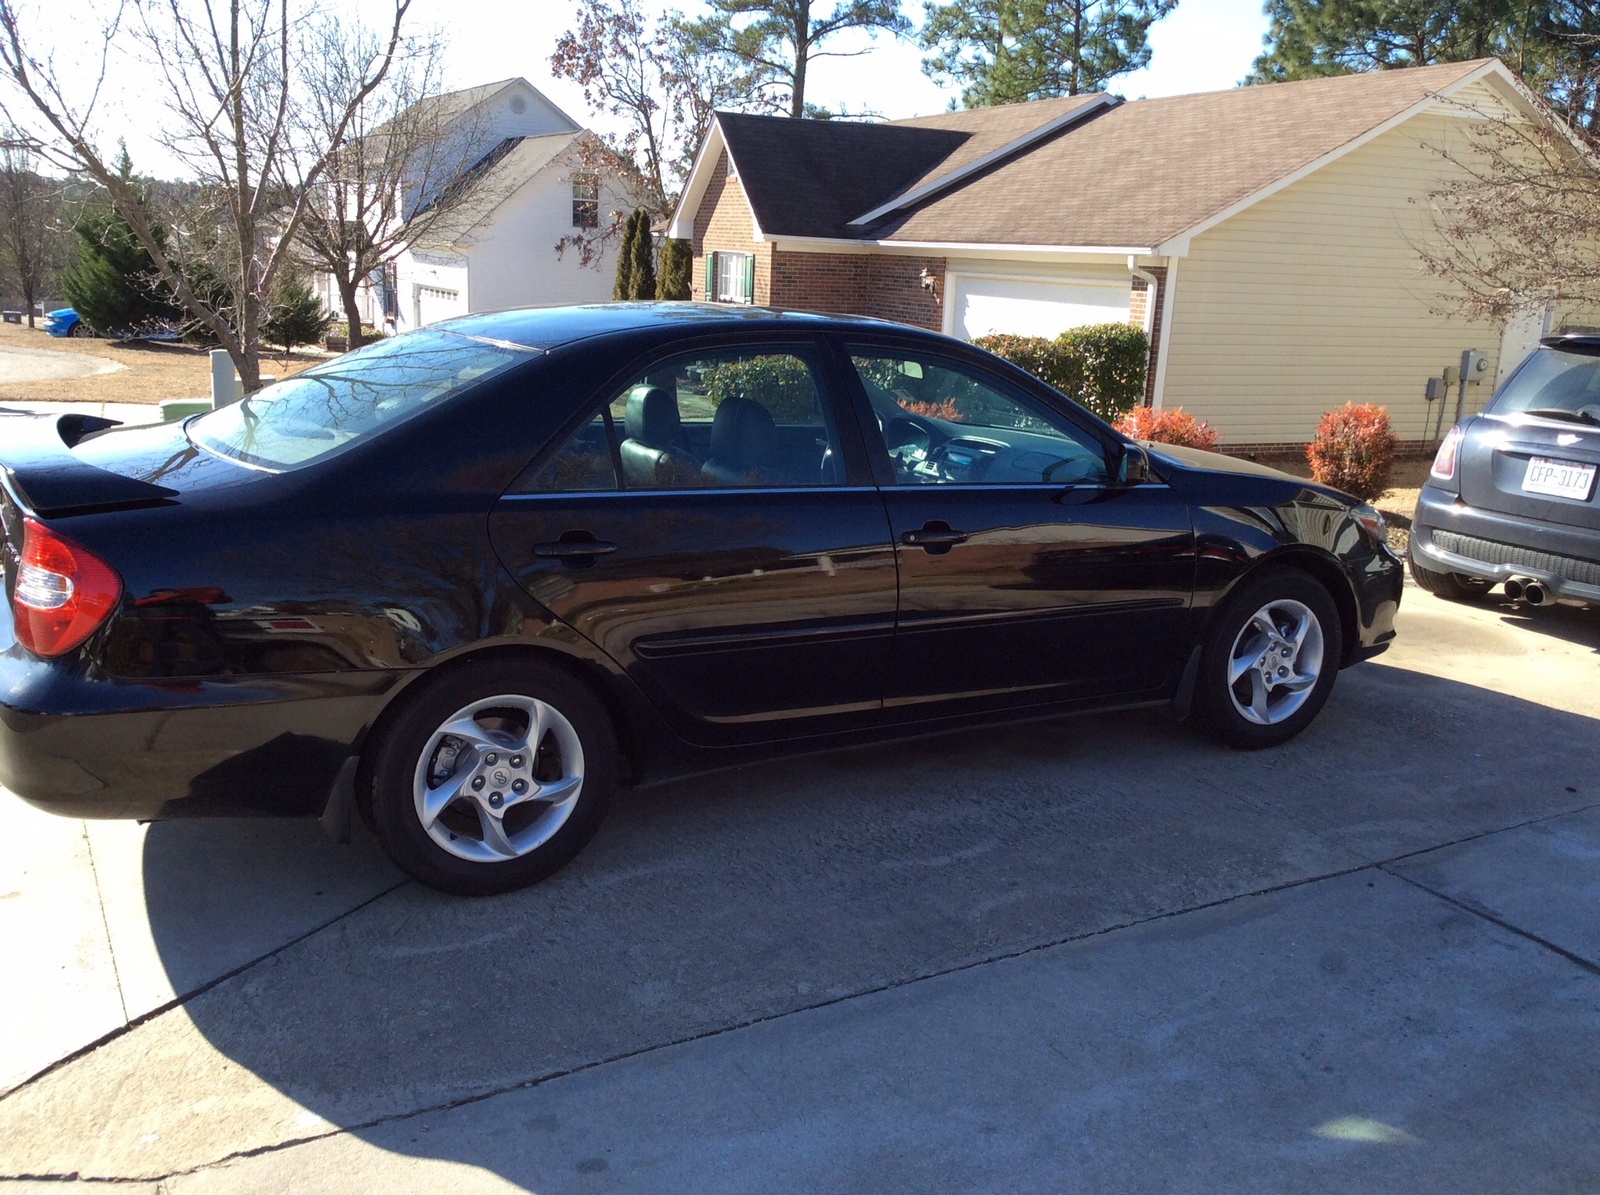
(1474, 366)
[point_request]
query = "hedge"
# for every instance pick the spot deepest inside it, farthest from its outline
(1101, 366)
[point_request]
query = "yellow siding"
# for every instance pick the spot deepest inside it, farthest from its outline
(1314, 297)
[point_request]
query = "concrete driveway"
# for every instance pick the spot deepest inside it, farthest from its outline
(42, 365)
(1097, 954)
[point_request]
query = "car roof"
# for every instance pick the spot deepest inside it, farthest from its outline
(1582, 342)
(548, 327)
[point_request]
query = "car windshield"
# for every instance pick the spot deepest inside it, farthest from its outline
(1554, 383)
(330, 407)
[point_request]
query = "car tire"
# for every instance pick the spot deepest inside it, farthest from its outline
(1453, 587)
(1248, 691)
(486, 810)
(78, 329)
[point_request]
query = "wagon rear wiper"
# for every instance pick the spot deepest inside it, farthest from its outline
(1561, 413)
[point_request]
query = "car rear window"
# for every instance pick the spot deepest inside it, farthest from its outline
(1554, 382)
(328, 408)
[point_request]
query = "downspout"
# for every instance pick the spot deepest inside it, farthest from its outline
(1152, 289)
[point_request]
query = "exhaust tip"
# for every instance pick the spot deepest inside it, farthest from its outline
(1514, 589)
(1534, 593)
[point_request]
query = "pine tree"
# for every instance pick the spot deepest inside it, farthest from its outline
(112, 282)
(642, 279)
(677, 258)
(1009, 51)
(624, 282)
(296, 316)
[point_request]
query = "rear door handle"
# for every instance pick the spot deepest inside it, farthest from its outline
(934, 538)
(575, 547)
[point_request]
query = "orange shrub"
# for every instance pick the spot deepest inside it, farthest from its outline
(1167, 426)
(1353, 450)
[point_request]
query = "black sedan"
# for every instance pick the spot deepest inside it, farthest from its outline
(468, 580)
(1511, 498)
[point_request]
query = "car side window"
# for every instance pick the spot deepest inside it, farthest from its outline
(726, 418)
(945, 423)
(585, 463)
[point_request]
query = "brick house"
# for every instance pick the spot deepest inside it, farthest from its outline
(1263, 237)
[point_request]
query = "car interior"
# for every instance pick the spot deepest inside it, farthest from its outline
(941, 425)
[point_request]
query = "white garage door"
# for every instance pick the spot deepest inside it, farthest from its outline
(435, 303)
(1034, 307)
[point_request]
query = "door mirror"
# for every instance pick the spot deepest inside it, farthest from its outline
(1134, 468)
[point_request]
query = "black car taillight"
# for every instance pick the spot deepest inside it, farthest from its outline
(64, 592)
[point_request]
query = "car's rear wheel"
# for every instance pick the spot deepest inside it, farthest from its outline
(1451, 586)
(1269, 660)
(493, 778)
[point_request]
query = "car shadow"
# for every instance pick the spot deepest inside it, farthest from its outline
(1573, 624)
(735, 897)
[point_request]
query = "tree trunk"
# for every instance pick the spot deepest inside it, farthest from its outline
(27, 299)
(352, 312)
(802, 53)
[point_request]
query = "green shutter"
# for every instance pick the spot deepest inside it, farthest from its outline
(750, 278)
(711, 277)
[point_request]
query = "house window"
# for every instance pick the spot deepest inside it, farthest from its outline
(731, 278)
(586, 201)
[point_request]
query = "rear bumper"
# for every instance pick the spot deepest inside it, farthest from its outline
(1455, 538)
(102, 749)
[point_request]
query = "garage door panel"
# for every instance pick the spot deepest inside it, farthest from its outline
(1034, 307)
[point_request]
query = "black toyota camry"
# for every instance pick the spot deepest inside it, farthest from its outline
(469, 579)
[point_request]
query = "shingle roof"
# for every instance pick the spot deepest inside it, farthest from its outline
(812, 177)
(1131, 175)
(490, 181)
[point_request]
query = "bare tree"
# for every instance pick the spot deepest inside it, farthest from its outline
(663, 86)
(1519, 224)
(230, 85)
(406, 163)
(30, 232)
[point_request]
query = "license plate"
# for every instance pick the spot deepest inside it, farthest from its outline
(1560, 479)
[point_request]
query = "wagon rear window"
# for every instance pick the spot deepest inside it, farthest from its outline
(330, 407)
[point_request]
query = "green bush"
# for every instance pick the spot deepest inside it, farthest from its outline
(1101, 366)
(295, 317)
(782, 384)
(677, 260)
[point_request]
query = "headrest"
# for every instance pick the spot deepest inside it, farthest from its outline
(743, 434)
(652, 417)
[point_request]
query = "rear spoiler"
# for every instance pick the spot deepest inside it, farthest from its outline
(36, 456)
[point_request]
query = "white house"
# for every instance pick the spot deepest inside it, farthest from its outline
(529, 185)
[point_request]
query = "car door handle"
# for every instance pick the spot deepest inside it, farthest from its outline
(575, 547)
(934, 538)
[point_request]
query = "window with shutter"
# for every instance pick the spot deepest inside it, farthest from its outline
(731, 277)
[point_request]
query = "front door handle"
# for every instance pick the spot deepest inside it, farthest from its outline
(575, 548)
(935, 538)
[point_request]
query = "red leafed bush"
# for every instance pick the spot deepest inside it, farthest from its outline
(1167, 426)
(945, 409)
(1353, 450)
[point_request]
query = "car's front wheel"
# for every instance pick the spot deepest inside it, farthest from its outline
(493, 778)
(1269, 660)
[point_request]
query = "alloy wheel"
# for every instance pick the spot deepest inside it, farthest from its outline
(498, 778)
(1276, 661)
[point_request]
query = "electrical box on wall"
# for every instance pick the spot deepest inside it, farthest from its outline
(1436, 389)
(1474, 366)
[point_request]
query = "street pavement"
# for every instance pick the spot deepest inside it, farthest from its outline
(1097, 954)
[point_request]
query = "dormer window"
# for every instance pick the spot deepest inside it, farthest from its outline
(586, 201)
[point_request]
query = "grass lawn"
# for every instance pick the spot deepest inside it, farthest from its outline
(152, 373)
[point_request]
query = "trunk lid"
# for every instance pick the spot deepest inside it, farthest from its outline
(50, 472)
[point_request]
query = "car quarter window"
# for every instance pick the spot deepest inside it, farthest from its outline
(584, 463)
(944, 422)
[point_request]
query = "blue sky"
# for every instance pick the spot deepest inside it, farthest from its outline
(1204, 45)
